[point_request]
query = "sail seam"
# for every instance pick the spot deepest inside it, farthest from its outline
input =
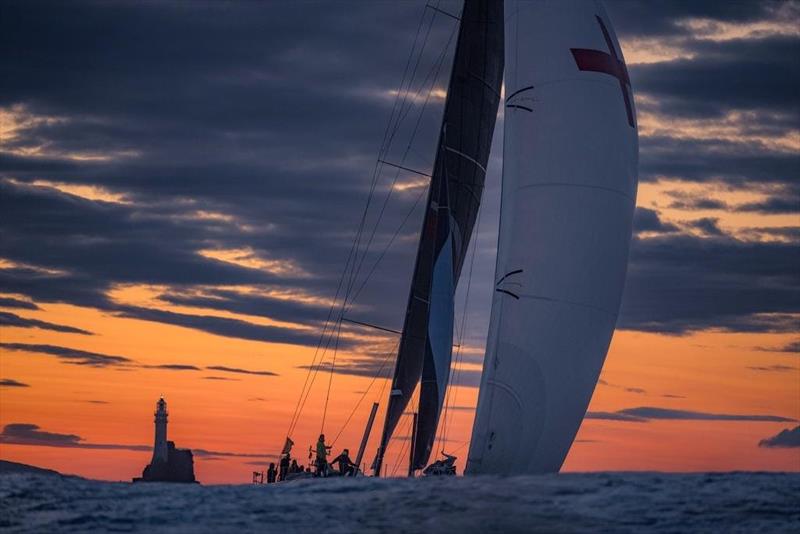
(569, 302)
(486, 84)
(597, 187)
(508, 389)
(469, 158)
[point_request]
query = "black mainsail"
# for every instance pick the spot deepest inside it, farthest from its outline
(470, 113)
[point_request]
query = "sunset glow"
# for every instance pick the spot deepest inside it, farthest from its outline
(177, 224)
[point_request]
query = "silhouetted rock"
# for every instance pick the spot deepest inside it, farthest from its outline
(179, 467)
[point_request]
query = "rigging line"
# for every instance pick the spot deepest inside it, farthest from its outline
(376, 327)
(435, 69)
(315, 367)
(364, 395)
(453, 32)
(386, 249)
(402, 83)
(400, 116)
(443, 12)
(394, 180)
(456, 370)
(460, 447)
(409, 423)
(387, 137)
(319, 366)
(405, 168)
(385, 145)
(440, 61)
(298, 406)
(296, 415)
(313, 370)
(330, 378)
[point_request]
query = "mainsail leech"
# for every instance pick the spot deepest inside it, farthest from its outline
(569, 190)
(454, 198)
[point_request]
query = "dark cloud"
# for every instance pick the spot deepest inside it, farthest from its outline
(774, 205)
(662, 17)
(81, 357)
(13, 320)
(776, 368)
(11, 383)
(97, 402)
(224, 326)
(30, 434)
(740, 165)
(173, 367)
(707, 225)
(648, 413)
(698, 203)
(173, 99)
(615, 416)
(8, 302)
(248, 304)
(207, 454)
(681, 283)
(367, 367)
(382, 365)
(785, 438)
(647, 220)
(792, 347)
(468, 378)
(238, 370)
(221, 378)
(68, 355)
(627, 389)
(743, 74)
(787, 233)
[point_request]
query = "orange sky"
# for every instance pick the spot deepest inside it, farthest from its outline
(250, 414)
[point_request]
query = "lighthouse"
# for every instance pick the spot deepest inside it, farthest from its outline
(160, 448)
(169, 464)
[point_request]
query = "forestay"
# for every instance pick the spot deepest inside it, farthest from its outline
(569, 190)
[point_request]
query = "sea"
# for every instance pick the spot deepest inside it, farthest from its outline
(596, 502)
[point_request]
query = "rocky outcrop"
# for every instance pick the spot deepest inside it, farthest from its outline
(179, 467)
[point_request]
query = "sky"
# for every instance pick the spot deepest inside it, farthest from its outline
(180, 185)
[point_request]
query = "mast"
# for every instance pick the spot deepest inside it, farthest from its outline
(425, 349)
(367, 432)
(411, 444)
(569, 191)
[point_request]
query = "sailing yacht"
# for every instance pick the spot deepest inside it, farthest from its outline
(569, 184)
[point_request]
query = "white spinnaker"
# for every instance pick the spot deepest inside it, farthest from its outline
(569, 190)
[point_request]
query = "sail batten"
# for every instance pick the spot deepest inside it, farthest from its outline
(568, 194)
(425, 350)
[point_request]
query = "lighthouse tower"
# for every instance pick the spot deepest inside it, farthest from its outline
(169, 463)
(160, 448)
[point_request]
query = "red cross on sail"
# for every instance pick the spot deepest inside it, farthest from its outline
(607, 63)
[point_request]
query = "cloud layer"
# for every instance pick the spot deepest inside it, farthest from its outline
(31, 434)
(644, 414)
(223, 155)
